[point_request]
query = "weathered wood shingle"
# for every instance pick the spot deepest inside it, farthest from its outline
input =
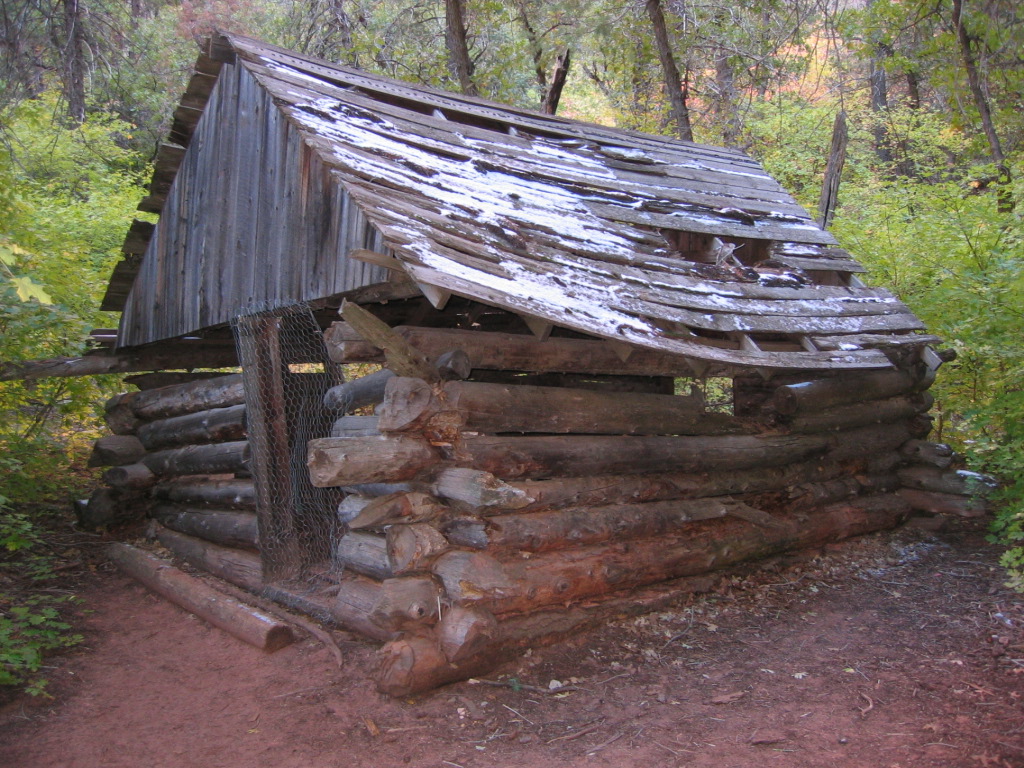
(605, 231)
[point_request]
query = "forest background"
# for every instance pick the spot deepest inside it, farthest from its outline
(931, 198)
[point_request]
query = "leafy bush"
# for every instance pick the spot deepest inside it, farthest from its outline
(31, 624)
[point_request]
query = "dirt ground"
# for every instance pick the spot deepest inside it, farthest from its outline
(898, 650)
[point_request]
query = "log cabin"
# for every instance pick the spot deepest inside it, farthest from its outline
(503, 375)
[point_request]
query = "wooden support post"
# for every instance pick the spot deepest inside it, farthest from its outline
(237, 619)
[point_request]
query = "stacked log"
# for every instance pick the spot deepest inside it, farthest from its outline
(508, 501)
(180, 455)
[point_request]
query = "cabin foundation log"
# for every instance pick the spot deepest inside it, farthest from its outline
(237, 619)
(242, 569)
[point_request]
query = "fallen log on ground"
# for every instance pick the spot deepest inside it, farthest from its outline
(244, 622)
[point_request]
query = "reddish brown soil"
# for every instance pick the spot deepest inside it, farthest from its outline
(897, 650)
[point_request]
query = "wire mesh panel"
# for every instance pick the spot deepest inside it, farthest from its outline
(286, 372)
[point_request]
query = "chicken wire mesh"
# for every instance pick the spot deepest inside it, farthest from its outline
(286, 371)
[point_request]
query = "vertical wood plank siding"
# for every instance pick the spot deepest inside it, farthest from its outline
(253, 218)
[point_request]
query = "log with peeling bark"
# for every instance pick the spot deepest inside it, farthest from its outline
(512, 584)
(473, 642)
(478, 489)
(231, 493)
(116, 450)
(351, 460)
(189, 397)
(239, 567)
(404, 507)
(200, 459)
(405, 603)
(552, 456)
(578, 526)
(414, 548)
(137, 476)
(959, 482)
(237, 619)
(351, 608)
(227, 528)
(358, 393)
(411, 404)
(861, 414)
(823, 394)
(944, 503)
(216, 425)
(364, 553)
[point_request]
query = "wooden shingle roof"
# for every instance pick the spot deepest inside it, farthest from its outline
(647, 240)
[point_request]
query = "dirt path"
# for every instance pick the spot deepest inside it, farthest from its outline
(897, 651)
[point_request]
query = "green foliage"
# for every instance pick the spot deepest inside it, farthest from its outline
(63, 212)
(31, 624)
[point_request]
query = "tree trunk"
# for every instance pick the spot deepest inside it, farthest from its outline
(553, 93)
(73, 50)
(1005, 195)
(237, 619)
(677, 90)
(459, 61)
(833, 171)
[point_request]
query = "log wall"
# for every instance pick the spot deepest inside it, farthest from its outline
(181, 457)
(512, 501)
(484, 512)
